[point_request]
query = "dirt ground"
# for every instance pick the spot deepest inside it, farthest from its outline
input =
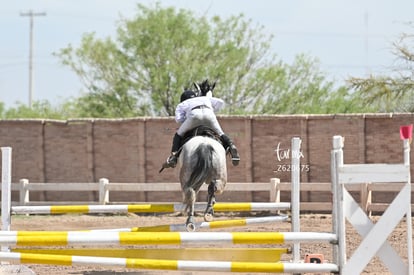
(312, 223)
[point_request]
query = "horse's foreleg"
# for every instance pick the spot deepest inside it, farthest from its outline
(211, 200)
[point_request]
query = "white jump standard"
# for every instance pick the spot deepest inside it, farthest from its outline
(374, 237)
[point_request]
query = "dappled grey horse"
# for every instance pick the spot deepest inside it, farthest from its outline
(202, 161)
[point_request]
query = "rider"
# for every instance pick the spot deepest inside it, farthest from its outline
(196, 111)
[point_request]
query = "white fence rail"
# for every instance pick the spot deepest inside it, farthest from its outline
(104, 188)
(275, 188)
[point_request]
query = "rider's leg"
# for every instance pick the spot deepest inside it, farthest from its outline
(187, 125)
(229, 145)
(227, 142)
(172, 159)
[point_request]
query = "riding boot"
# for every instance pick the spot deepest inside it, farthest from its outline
(229, 146)
(172, 159)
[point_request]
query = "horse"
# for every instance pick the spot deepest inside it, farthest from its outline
(202, 161)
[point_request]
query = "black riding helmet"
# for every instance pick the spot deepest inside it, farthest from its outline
(186, 95)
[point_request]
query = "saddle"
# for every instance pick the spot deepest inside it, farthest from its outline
(202, 130)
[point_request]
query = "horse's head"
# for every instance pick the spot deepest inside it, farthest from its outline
(205, 88)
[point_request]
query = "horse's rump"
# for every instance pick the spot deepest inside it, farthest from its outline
(202, 160)
(202, 166)
(201, 171)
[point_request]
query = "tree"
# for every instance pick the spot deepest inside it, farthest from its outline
(301, 88)
(161, 51)
(40, 109)
(393, 92)
(2, 109)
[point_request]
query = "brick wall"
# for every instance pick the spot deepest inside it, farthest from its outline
(132, 150)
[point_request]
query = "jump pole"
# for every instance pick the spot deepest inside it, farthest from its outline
(63, 238)
(166, 227)
(244, 254)
(202, 225)
(147, 208)
(216, 266)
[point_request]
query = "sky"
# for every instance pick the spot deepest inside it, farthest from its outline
(348, 37)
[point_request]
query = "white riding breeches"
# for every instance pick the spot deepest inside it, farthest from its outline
(198, 117)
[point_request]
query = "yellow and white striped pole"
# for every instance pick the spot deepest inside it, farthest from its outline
(241, 254)
(147, 208)
(170, 227)
(203, 225)
(217, 266)
(62, 238)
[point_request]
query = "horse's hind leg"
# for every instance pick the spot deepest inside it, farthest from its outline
(189, 224)
(189, 200)
(211, 200)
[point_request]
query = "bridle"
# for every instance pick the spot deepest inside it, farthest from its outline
(204, 89)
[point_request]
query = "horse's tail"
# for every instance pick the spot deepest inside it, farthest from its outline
(203, 165)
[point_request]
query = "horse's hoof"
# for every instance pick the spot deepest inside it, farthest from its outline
(189, 224)
(190, 227)
(208, 217)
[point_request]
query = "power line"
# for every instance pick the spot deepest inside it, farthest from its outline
(31, 14)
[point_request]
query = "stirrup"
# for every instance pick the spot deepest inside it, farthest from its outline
(235, 158)
(171, 161)
(235, 161)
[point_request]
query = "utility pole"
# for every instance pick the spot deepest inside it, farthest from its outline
(366, 21)
(31, 14)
